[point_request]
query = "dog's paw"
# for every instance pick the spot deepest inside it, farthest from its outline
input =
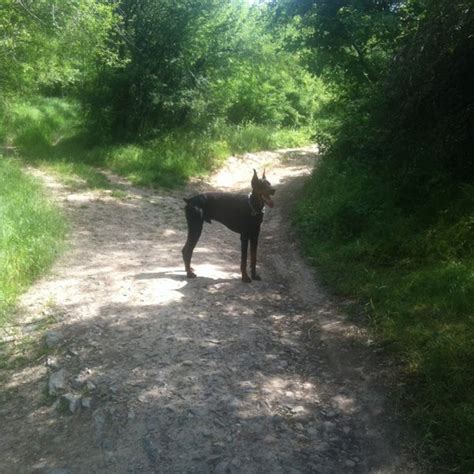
(246, 279)
(256, 277)
(191, 275)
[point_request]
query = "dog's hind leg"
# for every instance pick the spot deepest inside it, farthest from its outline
(194, 218)
(244, 240)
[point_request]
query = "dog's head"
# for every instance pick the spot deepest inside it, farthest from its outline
(262, 188)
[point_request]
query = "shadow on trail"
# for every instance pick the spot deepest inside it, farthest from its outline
(217, 385)
(199, 387)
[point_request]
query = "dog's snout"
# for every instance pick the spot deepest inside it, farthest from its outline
(272, 192)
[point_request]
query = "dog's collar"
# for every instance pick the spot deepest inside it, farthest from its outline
(253, 211)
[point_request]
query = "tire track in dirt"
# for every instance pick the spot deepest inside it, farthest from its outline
(204, 375)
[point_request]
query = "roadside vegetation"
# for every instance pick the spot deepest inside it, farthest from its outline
(387, 216)
(31, 234)
(52, 133)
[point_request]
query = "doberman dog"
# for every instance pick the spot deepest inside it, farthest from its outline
(239, 212)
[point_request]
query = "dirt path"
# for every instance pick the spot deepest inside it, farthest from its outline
(204, 375)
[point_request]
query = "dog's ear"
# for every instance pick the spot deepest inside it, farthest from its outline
(263, 176)
(254, 181)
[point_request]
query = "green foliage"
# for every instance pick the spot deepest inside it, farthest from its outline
(46, 44)
(388, 215)
(252, 137)
(50, 133)
(350, 39)
(414, 274)
(432, 118)
(213, 61)
(47, 132)
(142, 68)
(31, 233)
(165, 161)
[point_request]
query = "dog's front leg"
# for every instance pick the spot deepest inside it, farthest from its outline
(253, 258)
(244, 240)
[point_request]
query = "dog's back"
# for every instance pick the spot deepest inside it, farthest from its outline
(230, 209)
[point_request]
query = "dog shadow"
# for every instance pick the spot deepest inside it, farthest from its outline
(181, 276)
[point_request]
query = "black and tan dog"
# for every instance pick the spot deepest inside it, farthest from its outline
(241, 213)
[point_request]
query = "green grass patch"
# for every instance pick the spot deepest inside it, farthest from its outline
(76, 175)
(252, 137)
(50, 133)
(36, 125)
(410, 263)
(166, 161)
(31, 233)
(175, 157)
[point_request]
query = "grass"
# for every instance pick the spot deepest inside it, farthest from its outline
(410, 263)
(251, 137)
(35, 125)
(172, 159)
(50, 133)
(31, 233)
(167, 161)
(46, 132)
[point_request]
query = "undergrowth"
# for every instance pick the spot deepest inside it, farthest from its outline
(410, 262)
(50, 132)
(175, 157)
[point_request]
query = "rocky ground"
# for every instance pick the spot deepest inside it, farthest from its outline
(145, 371)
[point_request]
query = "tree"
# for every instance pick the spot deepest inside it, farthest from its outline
(193, 62)
(51, 44)
(350, 38)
